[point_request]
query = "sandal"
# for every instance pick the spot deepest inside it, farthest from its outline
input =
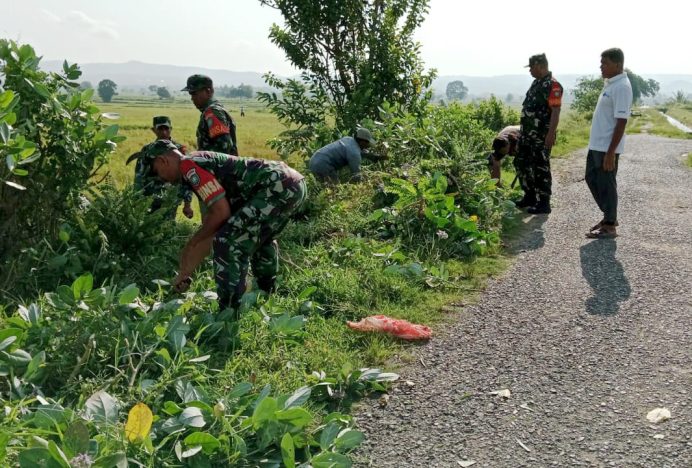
(602, 234)
(598, 226)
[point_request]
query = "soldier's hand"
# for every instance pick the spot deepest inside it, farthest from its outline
(549, 141)
(181, 283)
(188, 211)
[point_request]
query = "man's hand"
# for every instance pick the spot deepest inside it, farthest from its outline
(182, 282)
(609, 162)
(549, 140)
(187, 210)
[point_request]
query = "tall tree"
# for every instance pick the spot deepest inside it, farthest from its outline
(107, 89)
(642, 87)
(163, 92)
(588, 89)
(456, 90)
(359, 53)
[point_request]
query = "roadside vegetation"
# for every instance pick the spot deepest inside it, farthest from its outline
(102, 365)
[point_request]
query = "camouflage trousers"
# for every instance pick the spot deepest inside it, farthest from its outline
(249, 238)
(532, 164)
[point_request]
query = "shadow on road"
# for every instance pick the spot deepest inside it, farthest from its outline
(530, 236)
(605, 275)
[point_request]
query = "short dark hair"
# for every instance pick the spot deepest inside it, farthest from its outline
(499, 143)
(614, 55)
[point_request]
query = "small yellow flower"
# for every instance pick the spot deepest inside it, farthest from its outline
(473, 218)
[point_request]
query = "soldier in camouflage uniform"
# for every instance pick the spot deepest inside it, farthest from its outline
(216, 129)
(249, 202)
(161, 127)
(540, 115)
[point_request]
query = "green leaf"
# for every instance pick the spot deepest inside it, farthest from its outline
(239, 390)
(191, 417)
(82, 285)
(307, 292)
(208, 442)
(5, 131)
(102, 407)
(116, 460)
(6, 98)
(37, 456)
(349, 439)
(110, 131)
(298, 417)
(16, 358)
(128, 294)
(7, 342)
(9, 159)
(76, 439)
(331, 460)
(288, 451)
(58, 455)
(328, 435)
(265, 411)
(20, 172)
(42, 90)
(176, 331)
(33, 370)
(299, 397)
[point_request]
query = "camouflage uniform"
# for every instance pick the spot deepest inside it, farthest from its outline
(153, 187)
(532, 162)
(216, 130)
(262, 195)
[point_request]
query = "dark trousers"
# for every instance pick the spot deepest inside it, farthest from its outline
(603, 185)
(532, 164)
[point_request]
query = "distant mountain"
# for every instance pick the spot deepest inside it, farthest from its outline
(138, 75)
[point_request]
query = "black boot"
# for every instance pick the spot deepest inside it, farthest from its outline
(542, 207)
(529, 199)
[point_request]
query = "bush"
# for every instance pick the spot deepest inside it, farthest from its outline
(70, 140)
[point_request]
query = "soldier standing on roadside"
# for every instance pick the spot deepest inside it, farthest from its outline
(540, 115)
(216, 129)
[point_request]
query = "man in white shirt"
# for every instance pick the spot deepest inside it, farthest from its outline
(607, 141)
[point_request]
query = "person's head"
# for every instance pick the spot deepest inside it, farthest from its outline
(500, 147)
(612, 62)
(364, 138)
(538, 65)
(201, 90)
(162, 127)
(162, 160)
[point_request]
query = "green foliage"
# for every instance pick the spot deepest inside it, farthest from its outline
(456, 90)
(493, 114)
(679, 97)
(162, 92)
(241, 91)
(107, 89)
(360, 54)
(642, 87)
(67, 141)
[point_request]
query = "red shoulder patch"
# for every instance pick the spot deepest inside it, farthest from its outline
(216, 126)
(555, 97)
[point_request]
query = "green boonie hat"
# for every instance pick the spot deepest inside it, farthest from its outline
(364, 134)
(162, 120)
(197, 82)
(537, 59)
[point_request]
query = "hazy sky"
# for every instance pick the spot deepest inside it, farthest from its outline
(482, 38)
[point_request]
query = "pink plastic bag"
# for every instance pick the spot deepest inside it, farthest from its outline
(397, 327)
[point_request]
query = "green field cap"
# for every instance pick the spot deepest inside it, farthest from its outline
(162, 120)
(364, 134)
(197, 82)
(537, 59)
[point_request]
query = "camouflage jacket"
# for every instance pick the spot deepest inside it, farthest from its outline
(544, 94)
(152, 186)
(213, 175)
(216, 130)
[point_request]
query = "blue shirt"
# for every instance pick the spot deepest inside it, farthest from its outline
(334, 156)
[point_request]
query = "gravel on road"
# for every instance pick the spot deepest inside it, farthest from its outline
(588, 336)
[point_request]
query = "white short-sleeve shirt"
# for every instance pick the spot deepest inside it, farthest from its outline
(615, 102)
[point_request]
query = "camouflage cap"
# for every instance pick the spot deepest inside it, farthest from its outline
(537, 59)
(197, 82)
(162, 120)
(153, 151)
